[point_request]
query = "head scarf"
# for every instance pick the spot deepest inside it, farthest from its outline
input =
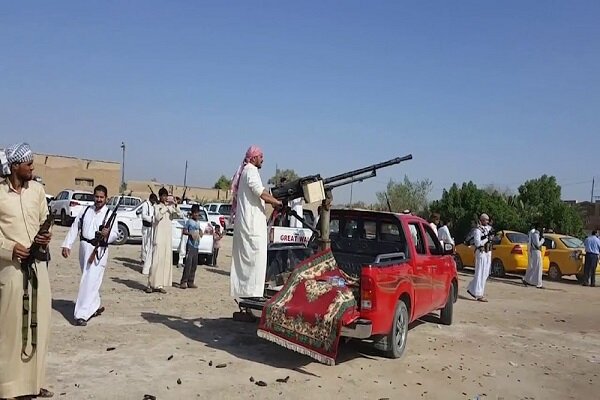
(484, 216)
(15, 154)
(253, 151)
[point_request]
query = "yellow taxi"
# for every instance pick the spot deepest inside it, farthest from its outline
(509, 254)
(566, 255)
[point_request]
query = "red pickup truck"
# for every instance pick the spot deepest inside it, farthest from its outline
(403, 273)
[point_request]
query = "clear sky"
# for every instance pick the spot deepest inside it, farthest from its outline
(494, 92)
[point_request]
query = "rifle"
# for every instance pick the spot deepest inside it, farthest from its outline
(151, 191)
(30, 276)
(99, 239)
(183, 195)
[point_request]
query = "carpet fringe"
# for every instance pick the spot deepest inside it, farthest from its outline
(295, 347)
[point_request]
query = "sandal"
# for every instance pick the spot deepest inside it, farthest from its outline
(482, 299)
(98, 312)
(163, 291)
(471, 294)
(148, 290)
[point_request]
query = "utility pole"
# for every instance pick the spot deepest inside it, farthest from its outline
(185, 175)
(123, 167)
(592, 198)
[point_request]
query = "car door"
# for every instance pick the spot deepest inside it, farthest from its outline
(136, 223)
(421, 270)
(439, 277)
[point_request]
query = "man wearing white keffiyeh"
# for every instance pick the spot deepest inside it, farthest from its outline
(22, 210)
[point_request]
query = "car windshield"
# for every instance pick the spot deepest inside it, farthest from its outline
(225, 209)
(83, 197)
(517, 237)
(571, 242)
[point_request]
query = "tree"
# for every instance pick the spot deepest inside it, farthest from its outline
(223, 183)
(411, 195)
(289, 174)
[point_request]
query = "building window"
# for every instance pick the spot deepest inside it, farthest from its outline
(84, 182)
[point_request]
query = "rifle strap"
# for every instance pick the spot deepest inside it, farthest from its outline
(29, 311)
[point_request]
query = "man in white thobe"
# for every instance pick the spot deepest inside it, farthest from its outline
(91, 227)
(444, 234)
(249, 251)
(533, 276)
(161, 271)
(147, 221)
(483, 258)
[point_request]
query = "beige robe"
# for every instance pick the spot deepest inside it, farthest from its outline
(161, 271)
(20, 218)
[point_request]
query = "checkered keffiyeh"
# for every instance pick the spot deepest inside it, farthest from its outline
(17, 153)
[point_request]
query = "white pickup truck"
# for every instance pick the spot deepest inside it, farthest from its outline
(129, 224)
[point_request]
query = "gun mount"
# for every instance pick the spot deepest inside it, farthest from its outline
(314, 188)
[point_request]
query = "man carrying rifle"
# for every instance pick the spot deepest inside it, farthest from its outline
(147, 232)
(482, 239)
(95, 233)
(23, 209)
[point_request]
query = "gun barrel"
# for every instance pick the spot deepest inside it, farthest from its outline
(370, 168)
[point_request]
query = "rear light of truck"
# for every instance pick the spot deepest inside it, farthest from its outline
(222, 221)
(517, 249)
(367, 294)
(73, 203)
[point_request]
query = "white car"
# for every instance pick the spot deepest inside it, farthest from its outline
(224, 210)
(129, 223)
(69, 203)
(128, 203)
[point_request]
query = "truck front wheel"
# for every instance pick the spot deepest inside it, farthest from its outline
(395, 341)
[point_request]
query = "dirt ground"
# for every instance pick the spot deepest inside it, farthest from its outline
(524, 344)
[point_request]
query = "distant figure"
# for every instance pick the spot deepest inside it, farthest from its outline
(592, 249)
(444, 233)
(434, 222)
(161, 271)
(147, 220)
(483, 258)
(533, 276)
(217, 236)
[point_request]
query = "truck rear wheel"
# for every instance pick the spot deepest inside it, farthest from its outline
(394, 342)
(448, 310)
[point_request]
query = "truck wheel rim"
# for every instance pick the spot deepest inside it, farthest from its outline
(400, 330)
(120, 235)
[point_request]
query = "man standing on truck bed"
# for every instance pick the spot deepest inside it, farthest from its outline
(483, 258)
(249, 251)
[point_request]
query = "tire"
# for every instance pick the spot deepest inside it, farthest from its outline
(459, 263)
(497, 268)
(175, 258)
(123, 234)
(554, 273)
(447, 311)
(64, 221)
(395, 341)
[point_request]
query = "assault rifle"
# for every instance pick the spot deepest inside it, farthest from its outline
(99, 240)
(151, 191)
(36, 253)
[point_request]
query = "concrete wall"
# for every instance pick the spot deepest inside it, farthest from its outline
(60, 172)
(140, 189)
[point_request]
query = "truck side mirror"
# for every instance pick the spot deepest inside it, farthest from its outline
(448, 248)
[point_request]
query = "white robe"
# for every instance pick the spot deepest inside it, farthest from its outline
(147, 231)
(161, 271)
(296, 205)
(249, 252)
(533, 276)
(483, 261)
(88, 298)
(444, 235)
